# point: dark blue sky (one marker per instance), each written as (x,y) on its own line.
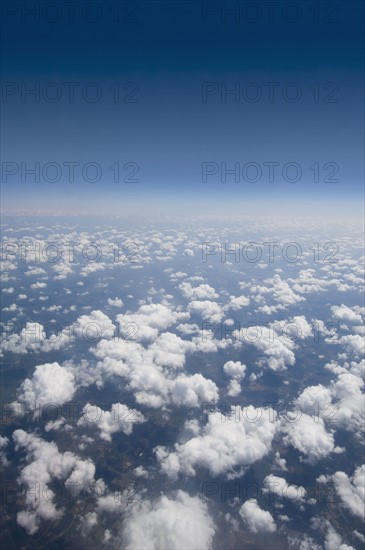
(296,70)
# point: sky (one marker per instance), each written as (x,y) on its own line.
(216,116)
(186,107)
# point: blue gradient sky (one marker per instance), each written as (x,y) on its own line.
(169,52)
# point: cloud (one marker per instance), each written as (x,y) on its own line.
(148,321)
(168,523)
(120,418)
(308,436)
(256,519)
(351,490)
(38,285)
(150,372)
(235,369)
(201,292)
(298,328)
(303,543)
(354,343)
(169,350)
(234,388)
(94,326)
(225,443)
(344,313)
(50,384)
(277,341)
(209,311)
(188,328)
(12,307)
(314,399)
(279,290)
(33,336)
(342,403)
(349,398)
(237,302)
(280,487)
(62,270)
(46,463)
(191,391)
(277,348)
(92,267)
(280,463)
(334,540)
(4,441)
(35,271)
(116,302)
(9,290)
